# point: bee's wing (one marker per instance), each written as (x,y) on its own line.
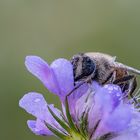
(111,59)
(131,69)
(114,58)
(99,55)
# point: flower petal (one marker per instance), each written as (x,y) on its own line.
(132,132)
(63,72)
(39,68)
(119,119)
(72,99)
(58,77)
(38,127)
(105,100)
(35,104)
(127,136)
(83,104)
(82,99)
(115,93)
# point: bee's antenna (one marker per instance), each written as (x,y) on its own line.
(131,69)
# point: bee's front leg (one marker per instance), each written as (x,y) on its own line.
(88,80)
(111,78)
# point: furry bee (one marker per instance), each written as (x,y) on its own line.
(104,69)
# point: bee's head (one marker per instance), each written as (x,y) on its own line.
(83,66)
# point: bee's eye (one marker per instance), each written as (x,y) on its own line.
(88,66)
(83,66)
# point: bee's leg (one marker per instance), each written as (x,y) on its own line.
(132,87)
(110,78)
(113,77)
(88,80)
(129,83)
(75,88)
(124,79)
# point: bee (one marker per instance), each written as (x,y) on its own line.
(104,69)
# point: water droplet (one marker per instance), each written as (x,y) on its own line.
(110,88)
(106,86)
(116,88)
(109,91)
(118,94)
(37,100)
(37,130)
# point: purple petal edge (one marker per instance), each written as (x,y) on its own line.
(35,104)
(63,72)
(38,127)
(58,77)
(39,68)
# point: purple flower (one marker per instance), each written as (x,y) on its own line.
(92,112)
(54,76)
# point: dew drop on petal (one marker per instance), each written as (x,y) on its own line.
(36,130)
(37,100)
(106,86)
(118,94)
(110,88)
(116,88)
(109,91)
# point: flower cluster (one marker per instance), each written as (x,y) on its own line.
(91,112)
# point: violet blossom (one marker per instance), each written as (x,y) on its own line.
(91,112)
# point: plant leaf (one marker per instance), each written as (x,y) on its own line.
(56,132)
(70,121)
(62,123)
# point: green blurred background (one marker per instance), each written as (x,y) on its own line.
(53,29)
